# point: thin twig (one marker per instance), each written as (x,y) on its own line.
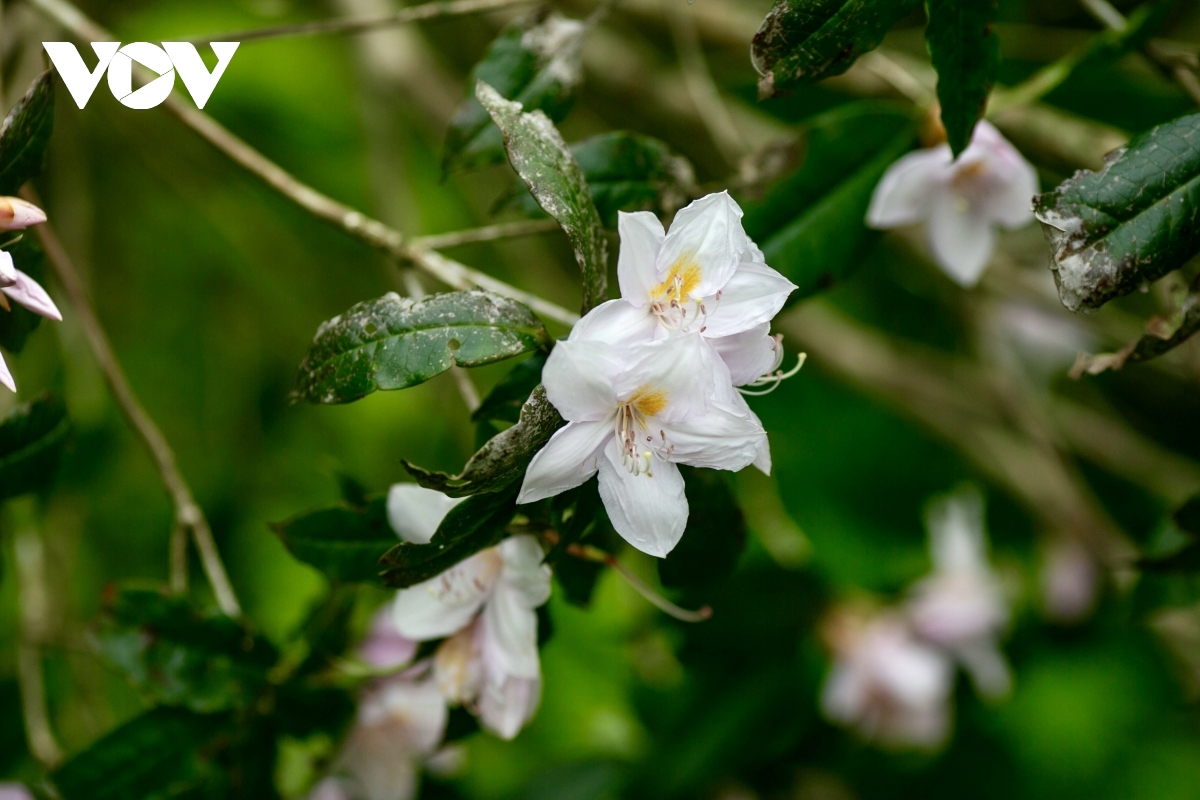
(470,395)
(595,554)
(34,621)
(350,26)
(488,233)
(1107,14)
(189,518)
(370,231)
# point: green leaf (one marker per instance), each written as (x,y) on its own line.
(536,61)
(540,156)
(810,224)
(627,172)
(344,543)
(477,522)
(178,655)
(1113,231)
(17,324)
(714,538)
(395,342)
(141,758)
(1187,516)
(803,41)
(966,54)
(25,135)
(32,438)
(504,458)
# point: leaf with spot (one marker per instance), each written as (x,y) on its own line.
(627,172)
(26,134)
(395,342)
(536,61)
(966,54)
(540,156)
(802,41)
(342,542)
(32,439)
(478,522)
(505,456)
(1113,231)
(810,222)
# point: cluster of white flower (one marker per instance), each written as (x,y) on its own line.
(893,675)
(649,381)
(962,201)
(16,214)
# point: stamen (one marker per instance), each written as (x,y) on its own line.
(772,379)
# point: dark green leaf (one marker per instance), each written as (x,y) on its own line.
(714,538)
(395,342)
(303,710)
(508,397)
(353,492)
(477,522)
(628,172)
(1187,516)
(1113,231)
(25,135)
(966,54)
(810,224)
(143,757)
(803,41)
(342,542)
(16,325)
(1185,559)
(540,156)
(181,656)
(536,61)
(504,458)
(31,442)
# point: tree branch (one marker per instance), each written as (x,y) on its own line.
(189,518)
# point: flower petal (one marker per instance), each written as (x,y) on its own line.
(8,272)
(684,369)
(752,296)
(30,294)
(641,237)
(524,571)
(617,322)
(749,355)
(989,670)
(505,708)
(649,510)
(384,647)
(6,377)
(415,512)
(708,235)
(961,239)
(567,460)
(902,196)
(16,214)
(508,635)
(579,377)
(445,604)
(725,436)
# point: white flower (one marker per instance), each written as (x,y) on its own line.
(400,723)
(888,685)
(961,201)
(485,605)
(633,413)
(14,791)
(14,284)
(384,647)
(961,607)
(704,276)
(415,512)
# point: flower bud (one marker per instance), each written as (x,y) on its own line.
(16,214)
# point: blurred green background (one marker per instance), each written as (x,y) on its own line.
(211,287)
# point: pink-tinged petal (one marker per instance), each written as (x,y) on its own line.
(524,571)
(650,509)
(706,236)
(641,237)
(961,240)
(903,195)
(8,271)
(457,667)
(505,708)
(16,214)
(415,512)
(508,635)
(726,436)
(957,543)
(683,371)
(568,459)
(6,377)
(30,294)
(446,604)
(748,355)
(616,322)
(754,295)
(327,789)
(384,647)
(579,378)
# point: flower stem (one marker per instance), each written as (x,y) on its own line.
(595,554)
